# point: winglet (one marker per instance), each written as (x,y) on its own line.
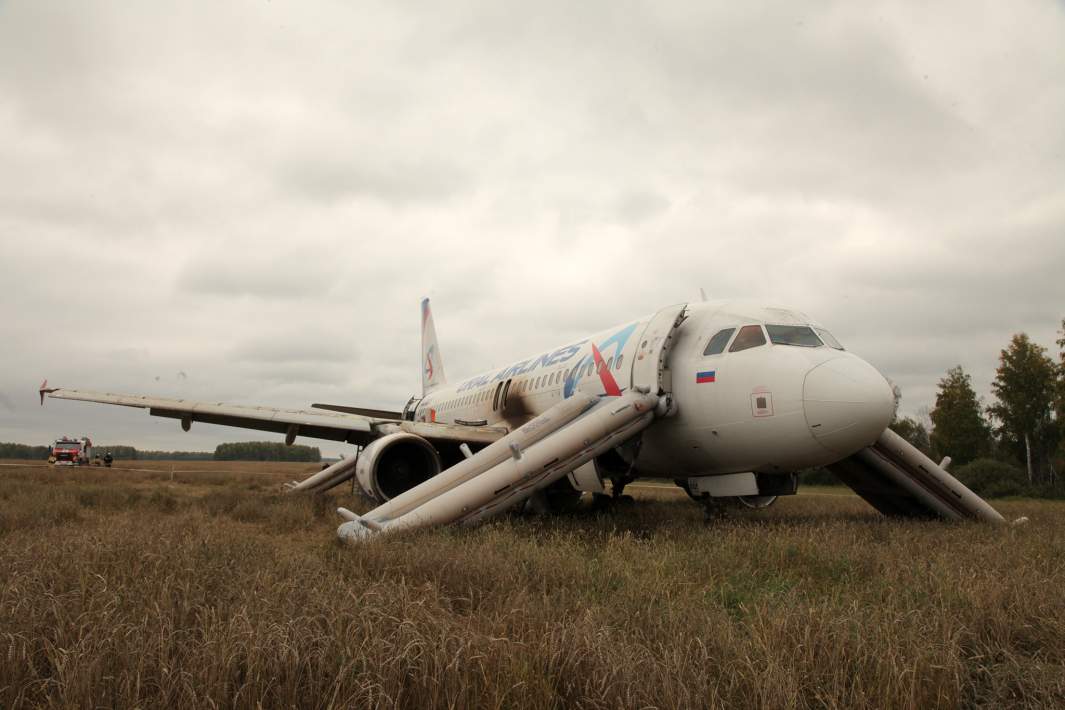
(609,383)
(45,389)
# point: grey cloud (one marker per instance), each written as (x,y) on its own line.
(259,195)
(333,178)
(305,348)
(298,373)
(637,206)
(253,273)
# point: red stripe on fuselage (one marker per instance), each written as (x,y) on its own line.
(609,383)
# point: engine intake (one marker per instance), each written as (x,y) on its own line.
(394,464)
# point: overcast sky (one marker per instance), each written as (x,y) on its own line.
(245,201)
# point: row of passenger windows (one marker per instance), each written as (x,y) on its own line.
(752,336)
(549,380)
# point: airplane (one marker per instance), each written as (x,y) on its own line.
(727,399)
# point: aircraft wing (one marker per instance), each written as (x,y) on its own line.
(318,424)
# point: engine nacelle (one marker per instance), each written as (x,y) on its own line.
(394,464)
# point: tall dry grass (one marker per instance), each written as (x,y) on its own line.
(126,589)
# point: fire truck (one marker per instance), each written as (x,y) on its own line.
(71,452)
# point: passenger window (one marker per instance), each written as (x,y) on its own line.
(609,362)
(717,344)
(750,336)
(617,365)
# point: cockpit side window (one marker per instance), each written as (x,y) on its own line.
(829,340)
(717,344)
(800,335)
(750,336)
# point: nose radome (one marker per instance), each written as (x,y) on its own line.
(848,404)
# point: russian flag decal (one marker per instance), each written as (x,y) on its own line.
(709,376)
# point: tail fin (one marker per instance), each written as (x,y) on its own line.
(432,365)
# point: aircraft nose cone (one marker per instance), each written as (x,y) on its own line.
(848,404)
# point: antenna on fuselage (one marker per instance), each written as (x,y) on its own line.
(702,294)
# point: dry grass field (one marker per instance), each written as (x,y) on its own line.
(206,588)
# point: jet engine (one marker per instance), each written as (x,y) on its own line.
(396,463)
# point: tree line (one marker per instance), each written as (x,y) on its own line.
(22,451)
(130,453)
(239,451)
(266,451)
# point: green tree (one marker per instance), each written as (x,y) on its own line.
(914,432)
(958,426)
(1025,384)
(1059,405)
(22,451)
(266,451)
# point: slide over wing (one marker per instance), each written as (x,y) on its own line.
(319,424)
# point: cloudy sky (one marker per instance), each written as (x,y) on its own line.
(245,201)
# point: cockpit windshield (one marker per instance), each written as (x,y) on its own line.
(717,344)
(750,336)
(800,335)
(829,340)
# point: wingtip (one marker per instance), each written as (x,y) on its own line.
(45,389)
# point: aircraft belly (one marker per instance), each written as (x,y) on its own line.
(668,452)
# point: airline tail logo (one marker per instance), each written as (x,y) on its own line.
(432,365)
(429,363)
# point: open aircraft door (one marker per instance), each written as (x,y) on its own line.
(649,368)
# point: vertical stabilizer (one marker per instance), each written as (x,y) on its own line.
(432,365)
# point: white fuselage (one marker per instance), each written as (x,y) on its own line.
(769,407)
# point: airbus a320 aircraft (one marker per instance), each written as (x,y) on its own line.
(729,400)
